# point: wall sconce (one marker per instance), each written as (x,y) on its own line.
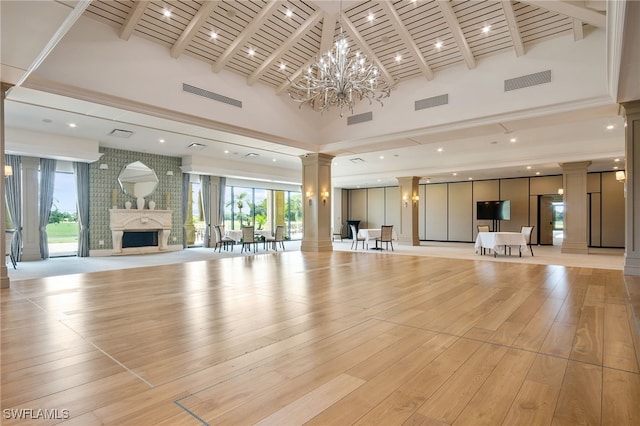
(415,199)
(309,196)
(169,172)
(8,170)
(560,191)
(621,176)
(104,166)
(325,195)
(405,201)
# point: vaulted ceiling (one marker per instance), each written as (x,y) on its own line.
(270,43)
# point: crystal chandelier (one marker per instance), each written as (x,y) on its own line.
(339,79)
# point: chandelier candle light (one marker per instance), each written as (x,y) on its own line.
(339,79)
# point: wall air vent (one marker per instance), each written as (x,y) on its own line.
(356,160)
(359,118)
(119,133)
(432,102)
(196,146)
(211,95)
(527,81)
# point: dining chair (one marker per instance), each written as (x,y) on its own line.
(337,234)
(484,228)
(386,236)
(222,242)
(248,238)
(277,238)
(356,238)
(527,231)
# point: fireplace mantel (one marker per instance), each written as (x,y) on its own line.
(122,220)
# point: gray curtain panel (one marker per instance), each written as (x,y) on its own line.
(221,193)
(81,173)
(47,184)
(205,190)
(185,201)
(13,195)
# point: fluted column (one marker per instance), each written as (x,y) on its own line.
(632,189)
(574,182)
(408,232)
(316,204)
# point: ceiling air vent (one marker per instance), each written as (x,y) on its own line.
(251,155)
(432,102)
(356,160)
(527,81)
(196,146)
(119,133)
(360,118)
(211,95)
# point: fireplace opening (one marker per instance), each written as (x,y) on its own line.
(139,239)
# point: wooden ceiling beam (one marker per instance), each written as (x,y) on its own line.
(458,34)
(137,11)
(291,41)
(194,26)
(355,35)
(572,10)
(239,41)
(512,23)
(402,31)
(326,41)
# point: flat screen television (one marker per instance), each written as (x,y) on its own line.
(493,210)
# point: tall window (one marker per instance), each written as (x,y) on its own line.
(263,209)
(62,230)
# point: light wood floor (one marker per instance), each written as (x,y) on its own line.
(341,338)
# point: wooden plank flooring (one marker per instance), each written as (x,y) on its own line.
(319,339)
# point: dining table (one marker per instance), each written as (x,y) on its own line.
(236,234)
(500,241)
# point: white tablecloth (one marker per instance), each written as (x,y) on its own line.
(498,241)
(372,234)
(236,234)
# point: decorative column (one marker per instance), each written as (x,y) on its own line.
(4,276)
(316,202)
(30,220)
(632,189)
(574,183)
(408,232)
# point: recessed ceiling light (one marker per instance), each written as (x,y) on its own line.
(528,167)
(251,51)
(537,173)
(289,13)
(440,149)
(512,140)
(615,168)
(486,28)
(214,35)
(274,160)
(370,17)
(398,58)
(161,140)
(470,178)
(617,160)
(72,125)
(379,180)
(166,13)
(610,127)
(428,180)
(455,174)
(382,157)
(283,67)
(438,45)
(226,151)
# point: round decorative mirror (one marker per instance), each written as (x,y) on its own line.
(138,180)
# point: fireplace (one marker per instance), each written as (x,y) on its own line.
(139,239)
(140,231)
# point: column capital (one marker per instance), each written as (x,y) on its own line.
(577,166)
(317,158)
(631,108)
